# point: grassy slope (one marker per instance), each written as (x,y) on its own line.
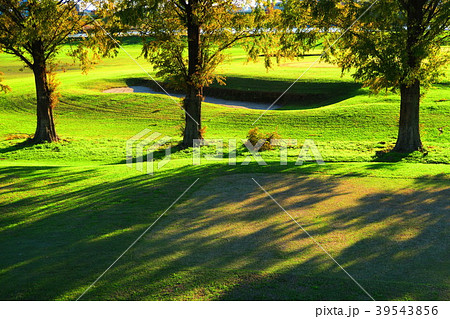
(349,127)
(69,209)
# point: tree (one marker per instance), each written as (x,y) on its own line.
(185,41)
(395,45)
(34,31)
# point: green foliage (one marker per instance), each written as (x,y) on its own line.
(254,135)
(298,33)
(163,25)
(395,42)
(49,23)
(267,43)
(100,41)
(26,23)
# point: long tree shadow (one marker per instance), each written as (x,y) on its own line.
(403,250)
(18,146)
(51,244)
(226,240)
(393,156)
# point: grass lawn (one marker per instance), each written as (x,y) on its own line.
(69,209)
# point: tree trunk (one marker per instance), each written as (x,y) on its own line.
(45,129)
(408,139)
(194,92)
(192,105)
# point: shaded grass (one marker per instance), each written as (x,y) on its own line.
(60,227)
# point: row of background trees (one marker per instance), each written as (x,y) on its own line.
(387,44)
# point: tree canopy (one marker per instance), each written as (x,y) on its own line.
(27,23)
(388,44)
(395,42)
(34,31)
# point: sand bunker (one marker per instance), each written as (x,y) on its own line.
(228,103)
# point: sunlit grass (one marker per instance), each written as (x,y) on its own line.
(68,209)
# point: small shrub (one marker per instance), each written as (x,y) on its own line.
(254,135)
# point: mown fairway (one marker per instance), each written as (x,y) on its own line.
(69,209)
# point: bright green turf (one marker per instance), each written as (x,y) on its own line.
(351,126)
(69,209)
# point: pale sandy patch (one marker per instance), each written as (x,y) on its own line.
(223,102)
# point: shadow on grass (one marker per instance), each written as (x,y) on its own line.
(390,156)
(226,239)
(28,143)
(180,151)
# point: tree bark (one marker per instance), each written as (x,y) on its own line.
(45,129)
(194,92)
(192,106)
(408,139)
